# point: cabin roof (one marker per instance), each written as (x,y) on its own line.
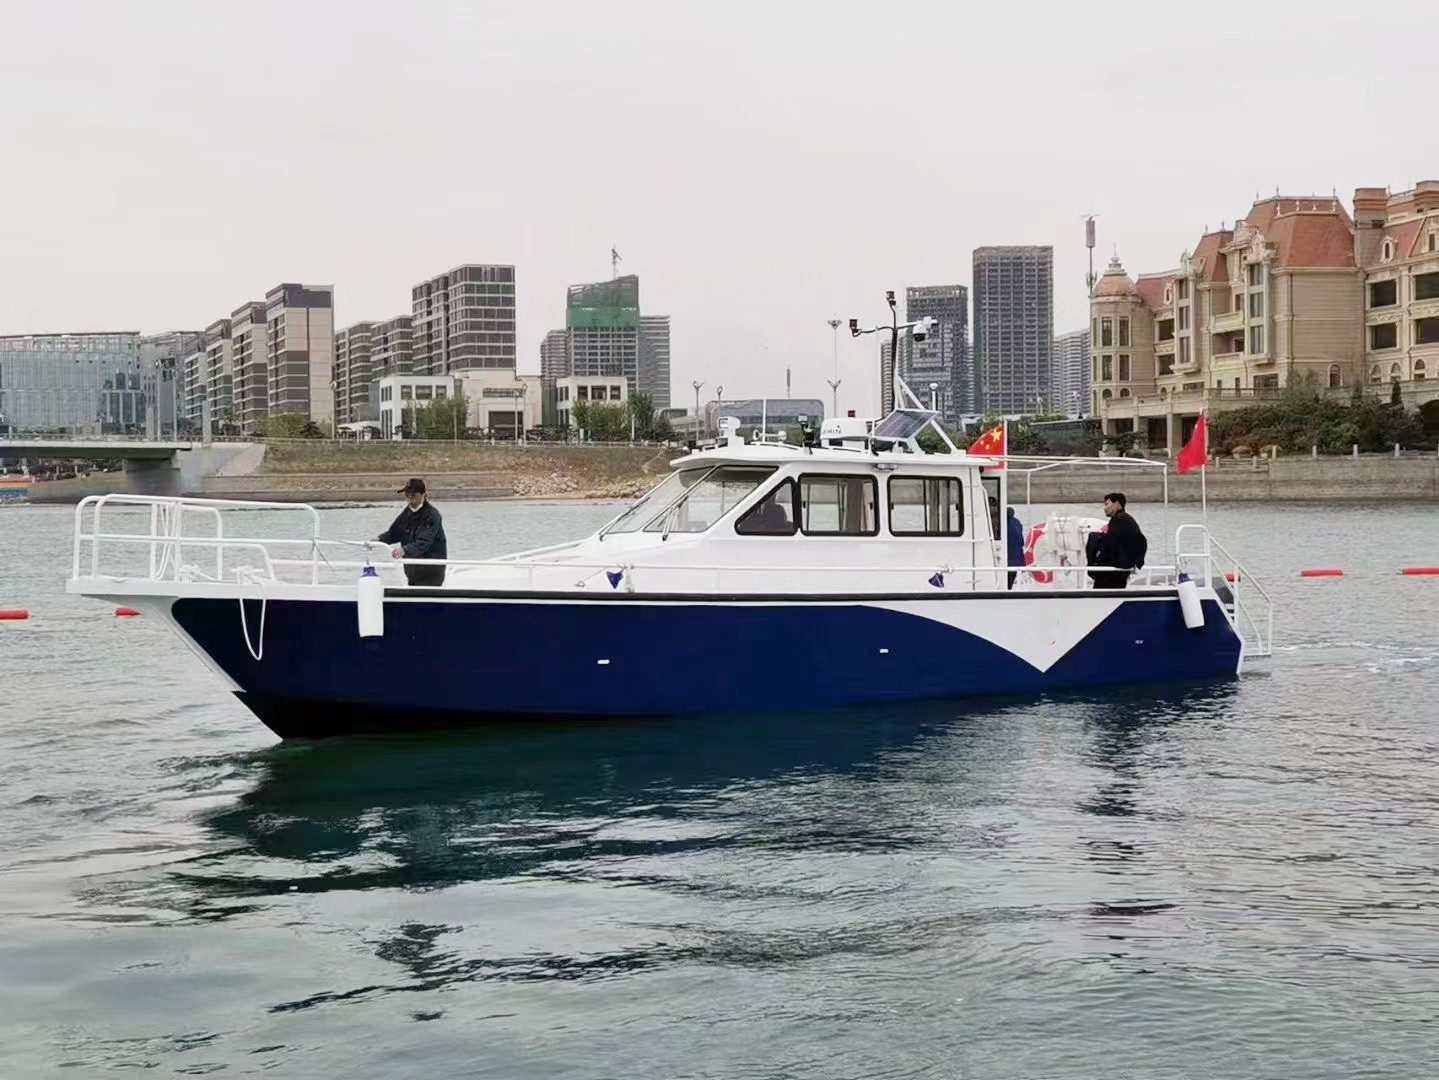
(827,457)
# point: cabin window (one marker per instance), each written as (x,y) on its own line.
(774,515)
(838,505)
(926,506)
(710,499)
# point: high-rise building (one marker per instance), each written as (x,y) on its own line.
(603,321)
(300,351)
(209,378)
(654,364)
(249,351)
(1069,374)
(555,355)
(465,319)
(354,371)
(162,375)
(82,384)
(1014,327)
(392,347)
(943,358)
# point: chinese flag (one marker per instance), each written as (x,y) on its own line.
(1196,450)
(991,442)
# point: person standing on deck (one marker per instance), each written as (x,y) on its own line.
(1015,545)
(418,533)
(1121,546)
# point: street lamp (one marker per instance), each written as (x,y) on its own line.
(934,397)
(919,327)
(697,383)
(834,383)
(719,406)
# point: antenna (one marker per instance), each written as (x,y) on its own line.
(1089,278)
(615,261)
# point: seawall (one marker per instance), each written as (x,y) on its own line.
(1373,477)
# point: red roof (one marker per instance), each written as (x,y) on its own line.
(1209,249)
(1151,287)
(1309,239)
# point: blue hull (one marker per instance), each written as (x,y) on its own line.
(457,661)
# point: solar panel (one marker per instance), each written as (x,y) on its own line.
(903,424)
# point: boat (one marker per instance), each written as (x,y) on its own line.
(853,568)
(16,486)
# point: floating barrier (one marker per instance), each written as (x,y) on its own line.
(126,611)
(1322,572)
(1414,571)
(1231,577)
(14,613)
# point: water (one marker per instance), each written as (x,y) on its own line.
(1233,880)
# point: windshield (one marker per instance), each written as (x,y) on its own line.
(675,485)
(712,498)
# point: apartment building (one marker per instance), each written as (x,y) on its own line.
(1397,246)
(1069,372)
(1298,290)
(555,355)
(354,371)
(1014,327)
(300,351)
(463,319)
(653,369)
(392,347)
(943,358)
(249,352)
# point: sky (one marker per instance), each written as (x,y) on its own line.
(763,167)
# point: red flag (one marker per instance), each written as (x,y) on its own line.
(1196,450)
(991,442)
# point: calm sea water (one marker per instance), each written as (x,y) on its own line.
(1233,880)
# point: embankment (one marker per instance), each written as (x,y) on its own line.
(1381,478)
(334,472)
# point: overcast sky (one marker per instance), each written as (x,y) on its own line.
(762,166)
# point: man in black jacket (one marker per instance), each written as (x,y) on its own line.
(418,533)
(1121,545)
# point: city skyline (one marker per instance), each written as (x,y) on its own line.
(765,197)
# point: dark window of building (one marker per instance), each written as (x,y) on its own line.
(1384,336)
(1123,332)
(1383,293)
(1426,331)
(1426,286)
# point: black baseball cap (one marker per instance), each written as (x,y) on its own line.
(415,485)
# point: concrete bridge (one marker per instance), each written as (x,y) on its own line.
(151,467)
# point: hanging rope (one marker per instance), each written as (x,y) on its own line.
(256,651)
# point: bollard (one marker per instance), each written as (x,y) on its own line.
(1396,451)
(1356,451)
(1314,451)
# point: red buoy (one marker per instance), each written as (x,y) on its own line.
(1232,576)
(1416,570)
(14,613)
(126,611)
(1322,572)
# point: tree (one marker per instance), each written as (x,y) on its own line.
(642,411)
(282,425)
(442,418)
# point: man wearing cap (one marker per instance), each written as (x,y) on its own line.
(418,533)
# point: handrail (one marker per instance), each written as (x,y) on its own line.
(166,537)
